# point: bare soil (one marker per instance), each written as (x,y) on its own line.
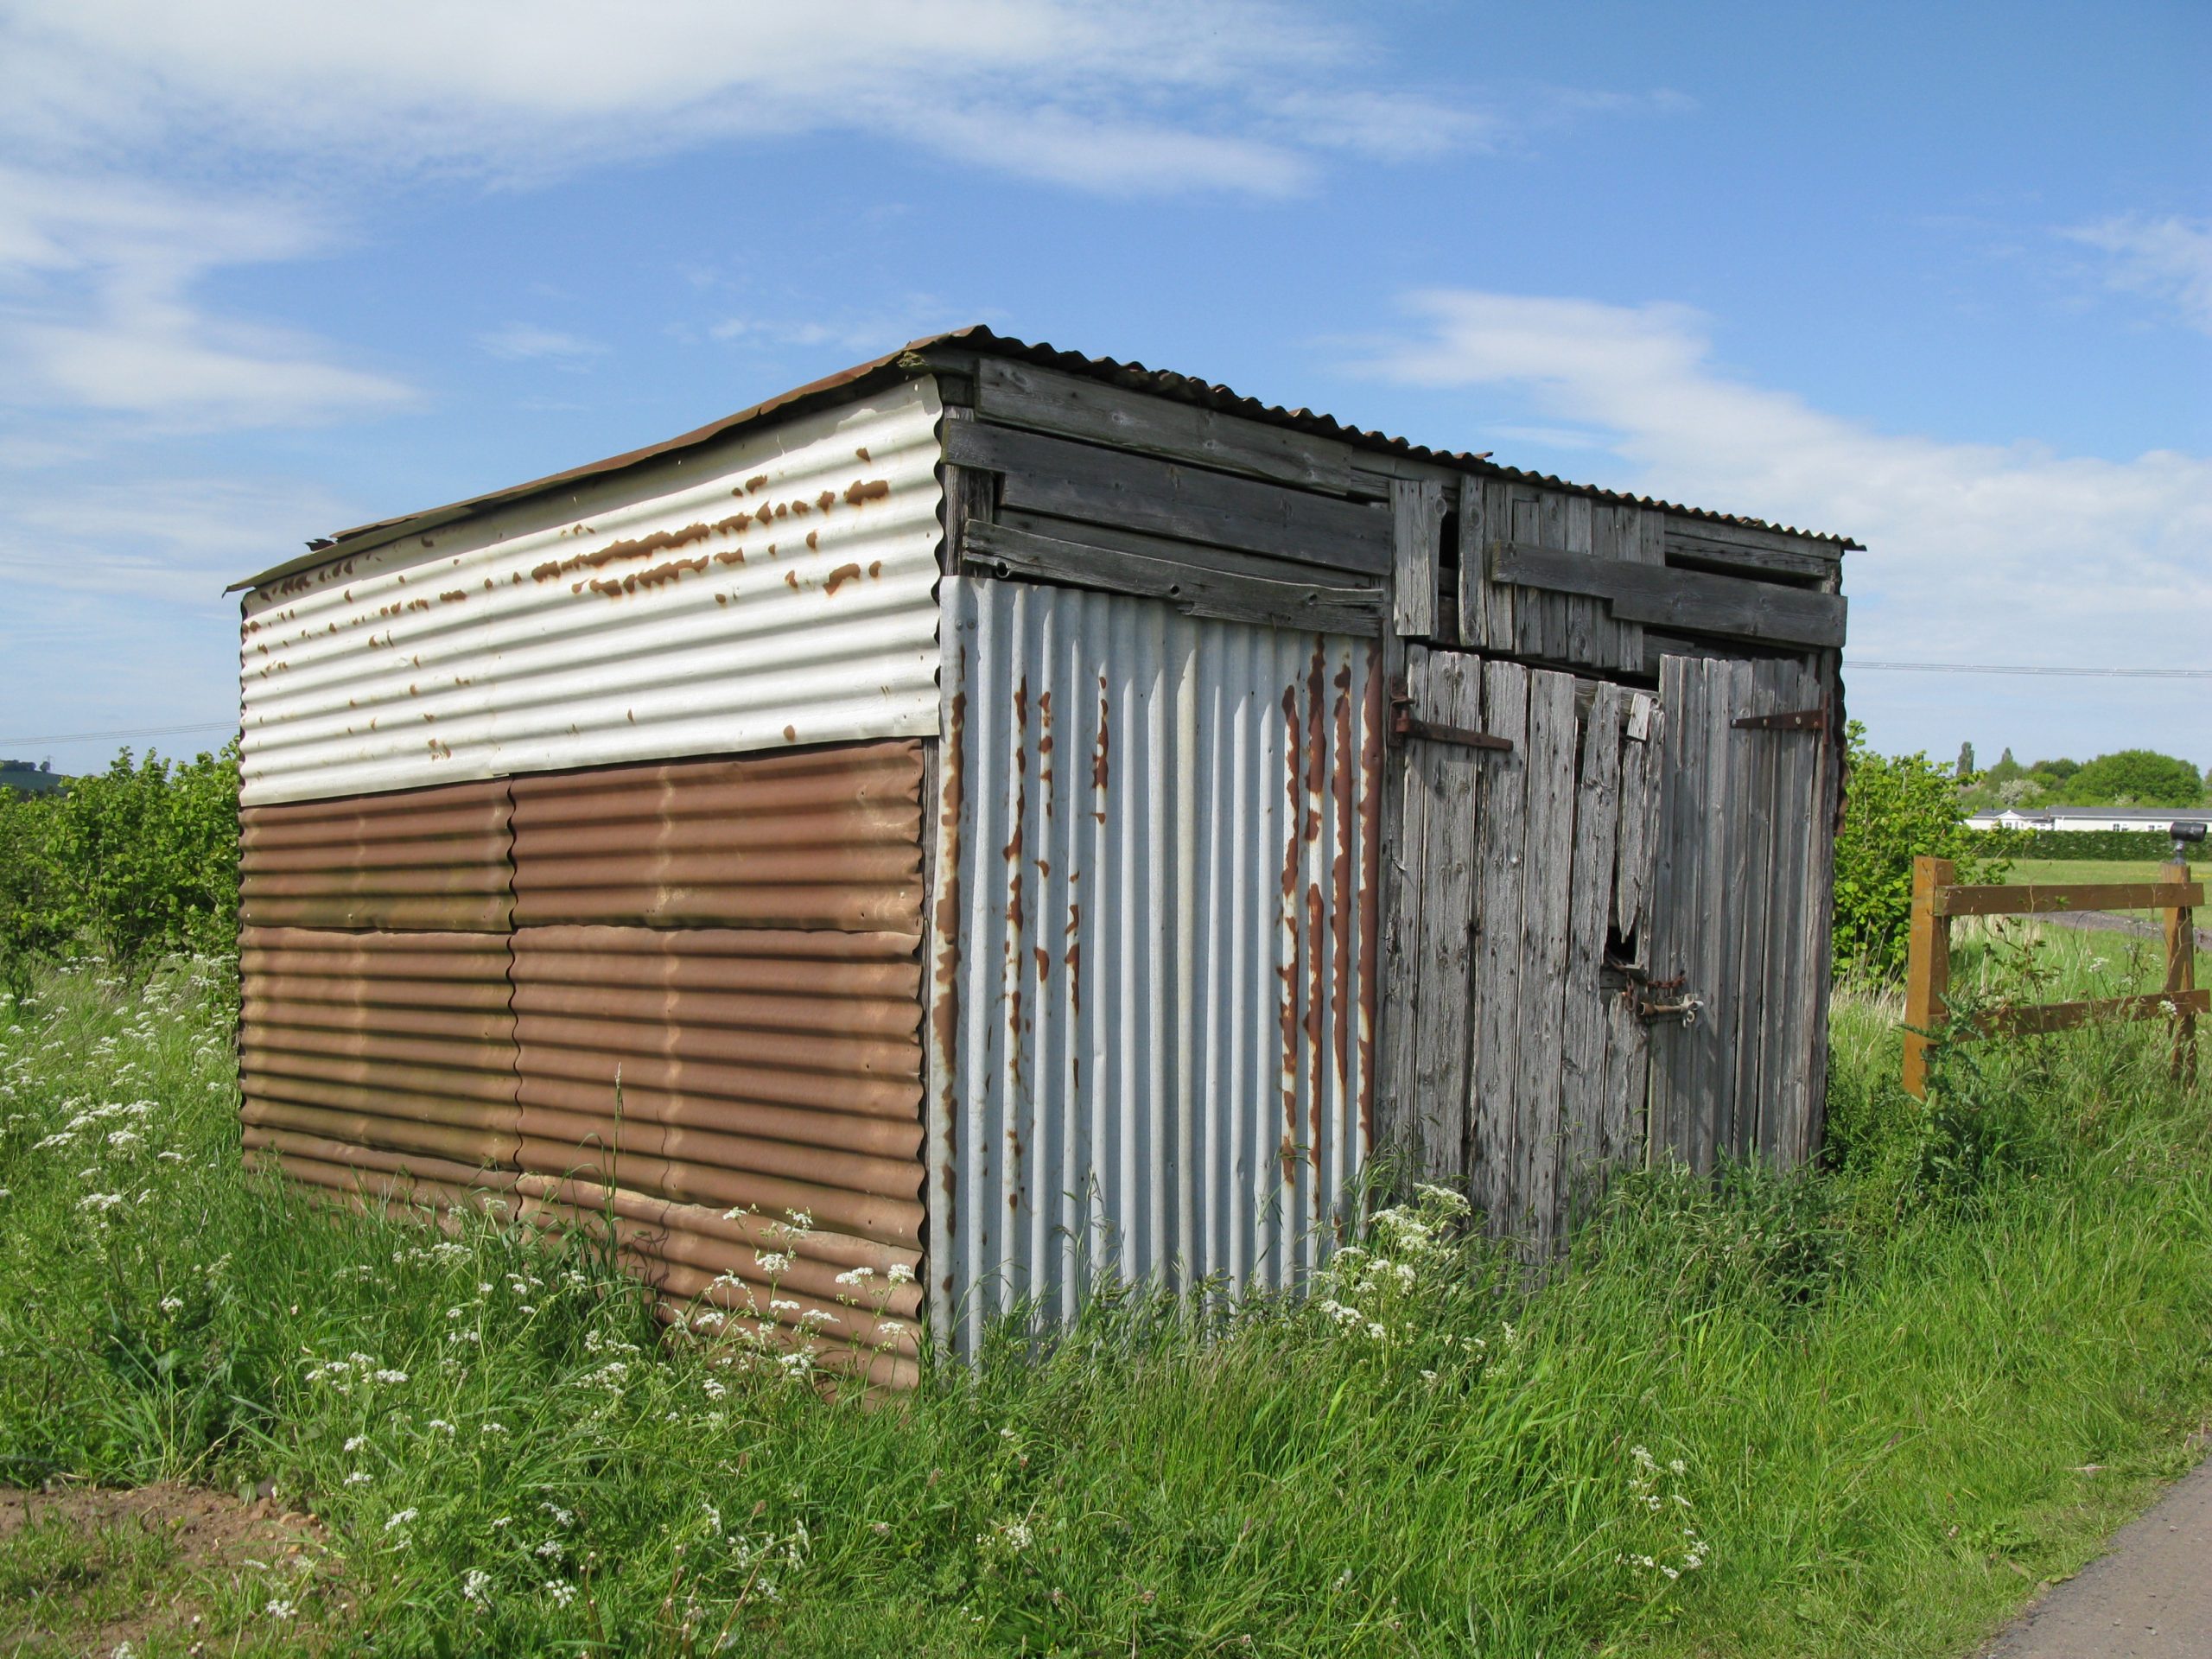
(86,1570)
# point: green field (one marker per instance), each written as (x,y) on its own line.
(2056,870)
(1861,1412)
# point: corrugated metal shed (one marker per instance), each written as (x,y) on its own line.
(417,858)
(1156,919)
(774,590)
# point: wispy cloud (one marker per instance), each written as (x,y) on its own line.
(523,341)
(2168,258)
(101,273)
(1975,551)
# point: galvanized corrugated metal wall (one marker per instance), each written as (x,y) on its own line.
(418,858)
(402,1042)
(770,591)
(737,942)
(1156,937)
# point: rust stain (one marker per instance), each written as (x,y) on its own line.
(840,576)
(659,576)
(813,541)
(641,547)
(1044,961)
(1343,783)
(874,489)
(758,481)
(721,599)
(945,1015)
(826,500)
(791,578)
(447,599)
(1370,891)
(730,556)
(782,510)
(790,733)
(874,567)
(862,453)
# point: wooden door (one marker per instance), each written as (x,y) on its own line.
(1513,1070)
(1738,957)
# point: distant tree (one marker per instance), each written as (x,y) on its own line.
(2133,778)
(2056,772)
(1964,769)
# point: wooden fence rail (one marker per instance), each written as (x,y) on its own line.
(1937,900)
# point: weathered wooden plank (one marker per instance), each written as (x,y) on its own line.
(1417,533)
(1551,520)
(1193,589)
(1746,548)
(1020,394)
(1928,970)
(1643,542)
(1501,840)
(1622,1136)
(1819,890)
(1115,488)
(1449,692)
(1679,894)
(1402,836)
(1474,581)
(1695,600)
(2040,1019)
(1584,1098)
(1548,872)
(1174,551)
(2045,897)
(1633,872)
(1755,999)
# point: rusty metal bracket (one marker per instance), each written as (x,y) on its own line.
(1797,719)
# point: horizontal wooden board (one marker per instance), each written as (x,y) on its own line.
(2041,1018)
(1691,599)
(1116,488)
(1193,589)
(1751,549)
(1020,394)
(2032,899)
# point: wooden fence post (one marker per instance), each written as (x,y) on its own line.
(2180,975)
(1927,969)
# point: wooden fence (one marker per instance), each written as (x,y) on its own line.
(1937,900)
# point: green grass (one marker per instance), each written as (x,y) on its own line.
(1853,1413)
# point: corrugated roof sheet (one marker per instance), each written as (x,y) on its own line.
(912,357)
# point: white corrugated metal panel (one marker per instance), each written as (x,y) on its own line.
(1156,946)
(771,591)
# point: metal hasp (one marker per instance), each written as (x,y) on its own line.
(1403,725)
(1797,719)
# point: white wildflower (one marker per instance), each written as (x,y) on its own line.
(280,1610)
(562,1593)
(399,1518)
(356,1442)
(899,1274)
(774,1263)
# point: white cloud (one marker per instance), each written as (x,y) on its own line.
(99,273)
(1154,95)
(1975,552)
(2170,259)
(521,341)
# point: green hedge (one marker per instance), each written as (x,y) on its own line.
(2105,846)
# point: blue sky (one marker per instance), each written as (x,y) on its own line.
(1937,277)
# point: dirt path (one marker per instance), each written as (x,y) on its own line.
(2149,1597)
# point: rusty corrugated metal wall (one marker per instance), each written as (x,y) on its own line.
(735,941)
(772,590)
(1156,939)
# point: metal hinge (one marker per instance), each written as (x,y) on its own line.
(1681,1007)
(1797,719)
(1403,725)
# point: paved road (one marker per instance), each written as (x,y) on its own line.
(2149,1597)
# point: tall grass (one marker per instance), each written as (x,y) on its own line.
(1853,1412)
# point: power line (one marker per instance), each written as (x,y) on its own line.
(134,731)
(1998,668)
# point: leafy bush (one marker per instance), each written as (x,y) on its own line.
(1900,807)
(133,862)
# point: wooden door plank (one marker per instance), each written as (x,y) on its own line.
(1752,994)
(1640,742)
(1502,836)
(1597,824)
(1449,693)
(1547,873)
(1398,1006)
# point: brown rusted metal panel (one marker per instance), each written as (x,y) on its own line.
(398,1041)
(433,859)
(827,838)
